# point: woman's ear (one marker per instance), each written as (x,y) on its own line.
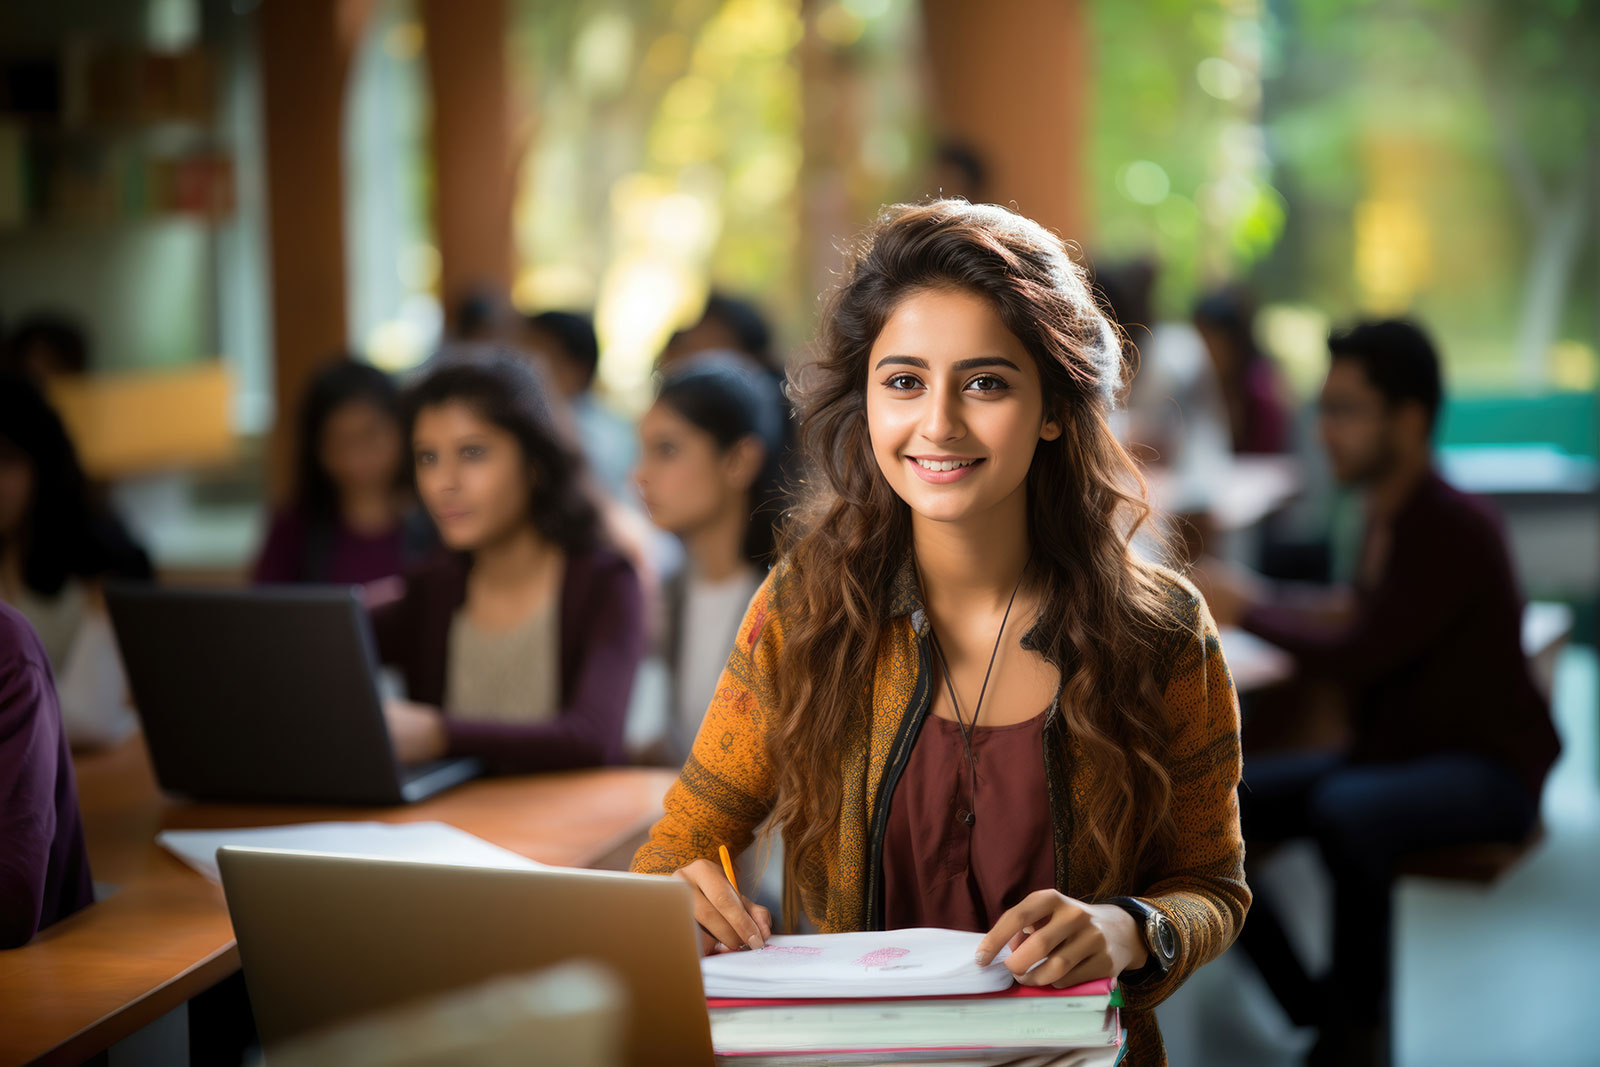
(1050,430)
(743,462)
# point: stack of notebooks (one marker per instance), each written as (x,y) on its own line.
(918,995)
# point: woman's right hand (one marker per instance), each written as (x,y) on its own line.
(728,920)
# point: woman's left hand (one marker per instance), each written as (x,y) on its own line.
(416,731)
(1078,942)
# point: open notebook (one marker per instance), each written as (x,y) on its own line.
(898,963)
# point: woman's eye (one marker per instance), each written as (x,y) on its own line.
(473,452)
(988,383)
(424,458)
(903,382)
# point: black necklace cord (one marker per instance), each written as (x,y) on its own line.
(955,705)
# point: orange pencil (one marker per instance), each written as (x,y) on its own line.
(727,866)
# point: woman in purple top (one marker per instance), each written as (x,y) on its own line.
(518,646)
(1258,415)
(44,870)
(352,519)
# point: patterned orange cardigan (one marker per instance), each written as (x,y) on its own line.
(726,787)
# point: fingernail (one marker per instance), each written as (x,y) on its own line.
(755,941)
(983,958)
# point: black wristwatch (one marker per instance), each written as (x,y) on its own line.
(1160,939)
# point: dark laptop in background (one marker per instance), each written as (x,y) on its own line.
(265,695)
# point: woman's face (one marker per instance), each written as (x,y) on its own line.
(684,478)
(16,488)
(955,407)
(471,475)
(360,447)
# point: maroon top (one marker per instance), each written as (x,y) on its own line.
(299,549)
(602,641)
(44,869)
(940,871)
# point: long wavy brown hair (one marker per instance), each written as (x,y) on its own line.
(1103,609)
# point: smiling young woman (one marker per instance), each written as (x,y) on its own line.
(961,695)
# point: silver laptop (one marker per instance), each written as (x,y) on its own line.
(327,939)
(265,695)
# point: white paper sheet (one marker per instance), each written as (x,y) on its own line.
(896,963)
(429,842)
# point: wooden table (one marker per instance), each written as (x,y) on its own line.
(1242,493)
(164,936)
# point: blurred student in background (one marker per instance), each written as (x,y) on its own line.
(352,518)
(47,345)
(709,474)
(958,170)
(728,324)
(1252,390)
(44,868)
(1175,423)
(520,643)
(568,352)
(56,546)
(1450,739)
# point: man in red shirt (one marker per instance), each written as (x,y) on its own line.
(1450,739)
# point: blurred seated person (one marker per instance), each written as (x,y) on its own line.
(44,869)
(1175,424)
(47,345)
(1450,740)
(482,316)
(352,519)
(959,171)
(709,474)
(1252,390)
(519,643)
(568,351)
(728,324)
(56,546)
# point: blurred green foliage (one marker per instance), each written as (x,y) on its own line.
(1442,154)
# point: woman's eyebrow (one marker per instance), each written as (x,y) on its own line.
(958,365)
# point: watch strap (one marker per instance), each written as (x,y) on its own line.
(1148,917)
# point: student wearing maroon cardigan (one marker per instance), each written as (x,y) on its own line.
(519,643)
(44,870)
(1450,739)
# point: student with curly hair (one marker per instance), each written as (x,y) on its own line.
(961,696)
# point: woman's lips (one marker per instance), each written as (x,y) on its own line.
(943,477)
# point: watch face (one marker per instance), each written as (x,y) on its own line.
(1166,939)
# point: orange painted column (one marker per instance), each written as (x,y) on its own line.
(1011,81)
(472,147)
(305,50)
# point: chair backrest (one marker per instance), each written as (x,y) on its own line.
(1546,629)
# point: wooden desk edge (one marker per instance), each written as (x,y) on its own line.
(134,1016)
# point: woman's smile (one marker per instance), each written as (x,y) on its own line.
(942,470)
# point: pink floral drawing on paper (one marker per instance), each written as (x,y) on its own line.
(882,957)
